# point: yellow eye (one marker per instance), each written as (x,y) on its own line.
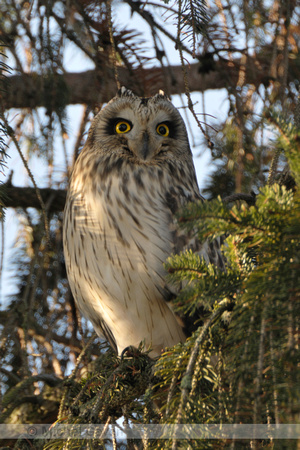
(122,127)
(163,130)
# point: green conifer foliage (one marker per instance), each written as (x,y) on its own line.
(241,364)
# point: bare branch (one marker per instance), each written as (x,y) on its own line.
(25,197)
(28,90)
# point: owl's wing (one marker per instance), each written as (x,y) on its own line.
(176,199)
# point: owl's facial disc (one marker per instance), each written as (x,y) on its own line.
(145,129)
(143,138)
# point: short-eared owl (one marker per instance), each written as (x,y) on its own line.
(133,174)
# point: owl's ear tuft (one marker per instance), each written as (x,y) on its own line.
(161,94)
(124,92)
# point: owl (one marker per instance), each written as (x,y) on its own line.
(133,174)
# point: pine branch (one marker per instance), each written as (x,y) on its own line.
(223,306)
(4,71)
(248,198)
(54,199)
(31,177)
(72,376)
(25,197)
(28,90)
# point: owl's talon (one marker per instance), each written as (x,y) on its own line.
(132,350)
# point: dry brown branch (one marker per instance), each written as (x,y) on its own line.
(25,197)
(27,90)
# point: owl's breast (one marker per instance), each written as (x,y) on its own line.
(132,227)
(121,235)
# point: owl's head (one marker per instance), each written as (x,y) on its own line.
(144,130)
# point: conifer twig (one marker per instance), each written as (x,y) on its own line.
(275,387)
(38,194)
(173,385)
(72,376)
(2,253)
(260,361)
(224,305)
(240,383)
(273,167)
(83,390)
(114,440)
(185,77)
(113,44)
(248,198)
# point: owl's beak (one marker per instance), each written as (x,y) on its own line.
(145,146)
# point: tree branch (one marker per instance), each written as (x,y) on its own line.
(25,197)
(33,90)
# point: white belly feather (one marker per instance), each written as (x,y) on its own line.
(114,259)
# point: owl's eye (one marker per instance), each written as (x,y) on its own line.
(122,127)
(163,130)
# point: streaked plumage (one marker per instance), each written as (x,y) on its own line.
(133,174)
